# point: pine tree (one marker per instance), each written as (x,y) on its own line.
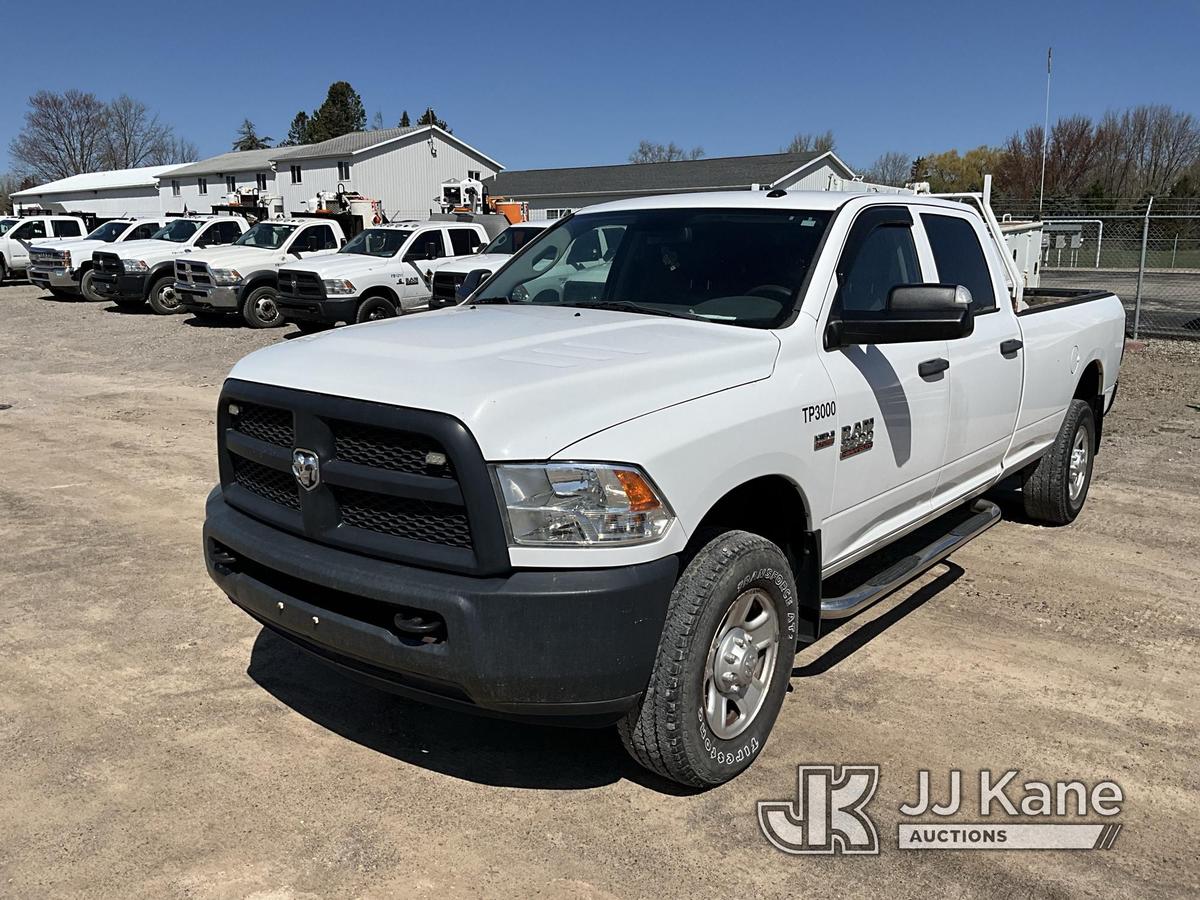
(341,113)
(298,132)
(405,121)
(249,139)
(429,117)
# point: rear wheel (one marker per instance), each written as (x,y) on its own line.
(87,286)
(163,298)
(1056,486)
(723,664)
(260,309)
(374,308)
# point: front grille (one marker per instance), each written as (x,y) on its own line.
(445,284)
(265,423)
(46,257)
(108,263)
(416,520)
(192,273)
(301,285)
(270,484)
(396,451)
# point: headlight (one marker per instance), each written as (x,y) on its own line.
(580,504)
(66,258)
(225,276)
(134,265)
(337,286)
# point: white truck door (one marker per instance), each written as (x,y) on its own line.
(25,233)
(424,247)
(889,432)
(986,368)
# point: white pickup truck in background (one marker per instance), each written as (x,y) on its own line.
(18,234)
(243,277)
(144,271)
(625,490)
(65,267)
(448,280)
(382,272)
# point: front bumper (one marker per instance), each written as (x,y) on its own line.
(53,277)
(132,287)
(566,646)
(296,309)
(206,298)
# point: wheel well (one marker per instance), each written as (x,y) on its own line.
(1090,389)
(381,291)
(264,279)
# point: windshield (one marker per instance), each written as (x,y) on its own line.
(6,224)
(267,235)
(512,239)
(381,242)
(734,266)
(109,232)
(177,232)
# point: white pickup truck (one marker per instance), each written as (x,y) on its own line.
(243,277)
(382,272)
(17,235)
(64,267)
(447,283)
(139,271)
(627,497)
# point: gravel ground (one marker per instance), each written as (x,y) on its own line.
(154,742)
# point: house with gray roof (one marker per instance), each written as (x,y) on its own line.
(552,193)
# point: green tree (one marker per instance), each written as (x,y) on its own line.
(341,113)
(298,132)
(249,139)
(405,121)
(429,117)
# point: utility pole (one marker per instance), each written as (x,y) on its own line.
(1045,132)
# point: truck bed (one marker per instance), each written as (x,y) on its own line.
(1041,299)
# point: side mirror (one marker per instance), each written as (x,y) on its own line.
(431,250)
(915,312)
(474,279)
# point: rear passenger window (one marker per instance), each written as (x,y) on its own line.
(317,238)
(886,257)
(66,228)
(144,231)
(464,241)
(959,258)
(223,233)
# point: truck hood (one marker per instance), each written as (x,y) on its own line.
(526,380)
(340,265)
(150,250)
(230,257)
(74,246)
(463,265)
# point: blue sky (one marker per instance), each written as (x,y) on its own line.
(568,83)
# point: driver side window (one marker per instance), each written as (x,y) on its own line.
(880,254)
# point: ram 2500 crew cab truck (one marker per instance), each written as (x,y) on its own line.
(629,496)
(447,284)
(65,267)
(17,235)
(243,277)
(382,272)
(139,271)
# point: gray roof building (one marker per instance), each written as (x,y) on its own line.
(237,161)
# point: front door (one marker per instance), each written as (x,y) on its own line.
(22,235)
(891,425)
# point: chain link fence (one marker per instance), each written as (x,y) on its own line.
(1150,260)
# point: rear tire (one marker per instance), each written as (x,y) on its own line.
(260,309)
(163,299)
(86,288)
(717,687)
(1056,486)
(375,308)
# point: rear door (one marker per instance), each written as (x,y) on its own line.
(142,231)
(889,428)
(986,368)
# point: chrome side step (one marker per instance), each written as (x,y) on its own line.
(985,515)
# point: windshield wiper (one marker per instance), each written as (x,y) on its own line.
(630,306)
(483,300)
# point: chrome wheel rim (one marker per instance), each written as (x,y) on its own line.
(378,313)
(167,298)
(1077,472)
(741,663)
(266,310)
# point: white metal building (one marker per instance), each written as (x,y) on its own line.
(121,192)
(201,185)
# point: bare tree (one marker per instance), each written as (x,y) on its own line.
(810,142)
(893,168)
(135,136)
(650,152)
(179,150)
(64,134)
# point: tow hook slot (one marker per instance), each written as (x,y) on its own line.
(425,627)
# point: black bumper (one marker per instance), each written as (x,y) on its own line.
(565,646)
(327,311)
(125,287)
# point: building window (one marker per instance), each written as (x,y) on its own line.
(556,213)
(230,184)
(202,185)
(343,171)
(295,174)
(473,174)
(174,188)
(261,180)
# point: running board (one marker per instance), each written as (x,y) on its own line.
(986,514)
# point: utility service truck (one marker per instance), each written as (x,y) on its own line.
(242,278)
(144,271)
(626,495)
(18,234)
(65,267)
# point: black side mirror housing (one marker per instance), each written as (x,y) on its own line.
(474,279)
(915,312)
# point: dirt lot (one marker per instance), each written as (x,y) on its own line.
(154,742)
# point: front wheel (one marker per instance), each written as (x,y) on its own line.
(260,309)
(723,664)
(87,286)
(163,298)
(1056,486)
(375,308)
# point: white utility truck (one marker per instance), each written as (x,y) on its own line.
(382,272)
(448,280)
(243,277)
(18,233)
(132,274)
(65,268)
(627,496)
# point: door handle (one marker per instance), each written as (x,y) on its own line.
(933,367)
(1011,346)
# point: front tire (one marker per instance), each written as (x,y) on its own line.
(1056,486)
(723,664)
(260,309)
(87,288)
(163,299)
(374,308)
